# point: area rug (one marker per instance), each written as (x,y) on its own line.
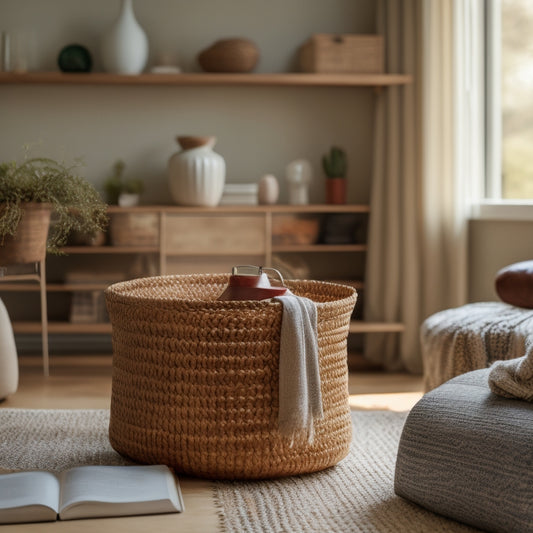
(354,496)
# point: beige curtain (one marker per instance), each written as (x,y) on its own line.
(428,151)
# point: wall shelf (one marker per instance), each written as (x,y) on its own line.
(196,79)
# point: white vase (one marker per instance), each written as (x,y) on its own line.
(268,190)
(197,175)
(299,174)
(9,370)
(125,45)
(128,199)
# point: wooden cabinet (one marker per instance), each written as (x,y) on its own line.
(188,240)
(169,239)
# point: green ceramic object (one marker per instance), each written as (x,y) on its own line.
(75,58)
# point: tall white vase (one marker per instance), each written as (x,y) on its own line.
(125,45)
(197,174)
(9,370)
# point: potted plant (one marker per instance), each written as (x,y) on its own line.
(335,165)
(122,191)
(41,202)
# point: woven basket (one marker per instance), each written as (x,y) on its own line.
(229,55)
(346,53)
(195,380)
(29,243)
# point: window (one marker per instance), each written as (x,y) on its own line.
(509,40)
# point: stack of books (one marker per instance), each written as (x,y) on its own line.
(239,194)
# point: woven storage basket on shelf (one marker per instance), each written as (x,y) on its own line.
(195,380)
(29,243)
(229,55)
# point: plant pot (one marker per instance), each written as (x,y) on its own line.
(128,199)
(336,190)
(29,243)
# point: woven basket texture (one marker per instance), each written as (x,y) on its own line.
(195,380)
(29,243)
(346,53)
(229,55)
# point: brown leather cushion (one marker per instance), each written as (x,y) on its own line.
(514,284)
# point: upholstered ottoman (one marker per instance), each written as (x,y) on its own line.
(471,337)
(467,454)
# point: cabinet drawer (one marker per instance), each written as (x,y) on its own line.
(215,235)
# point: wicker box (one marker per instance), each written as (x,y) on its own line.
(343,54)
(134,229)
(196,380)
(295,229)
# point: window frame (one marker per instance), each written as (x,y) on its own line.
(492,206)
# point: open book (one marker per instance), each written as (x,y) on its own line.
(88,491)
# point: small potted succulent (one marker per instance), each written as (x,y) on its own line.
(122,191)
(334,164)
(43,201)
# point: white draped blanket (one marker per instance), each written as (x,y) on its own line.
(300,400)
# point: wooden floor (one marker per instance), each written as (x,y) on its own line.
(84,382)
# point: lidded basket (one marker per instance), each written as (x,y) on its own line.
(196,380)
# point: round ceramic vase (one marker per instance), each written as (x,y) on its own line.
(268,190)
(197,174)
(125,45)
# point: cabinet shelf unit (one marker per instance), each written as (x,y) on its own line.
(170,254)
(219,237)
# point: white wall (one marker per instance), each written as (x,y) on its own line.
(259,130)
(494,245)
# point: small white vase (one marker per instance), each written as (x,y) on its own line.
(197,175)
(268,190)
(125,45)
(299,174)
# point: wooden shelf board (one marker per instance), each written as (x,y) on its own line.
(110,249)
(53,287)
(68,327)
(360,326)
(320,248)
(247,209)
(61,327)
(186,79)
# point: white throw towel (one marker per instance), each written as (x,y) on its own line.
(300,398)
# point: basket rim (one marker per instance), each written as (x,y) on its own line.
(117,292)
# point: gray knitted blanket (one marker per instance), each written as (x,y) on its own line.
(474,336)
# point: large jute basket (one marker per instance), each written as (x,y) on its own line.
(195,380)
(28,245)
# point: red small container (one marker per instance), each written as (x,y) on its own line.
(249,282)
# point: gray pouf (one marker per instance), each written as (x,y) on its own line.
(471,337)
(9,370)
(467,454)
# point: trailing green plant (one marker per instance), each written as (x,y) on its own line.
(116,184)
(75,204)
(335,163)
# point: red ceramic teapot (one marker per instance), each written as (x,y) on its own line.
(248,282)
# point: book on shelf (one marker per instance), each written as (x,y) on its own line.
(88,492)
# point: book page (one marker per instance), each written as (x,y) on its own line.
(118,491)
(28,497)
